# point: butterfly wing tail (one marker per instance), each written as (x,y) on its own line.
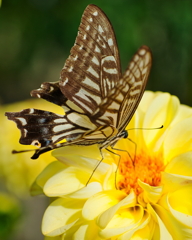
(51,92)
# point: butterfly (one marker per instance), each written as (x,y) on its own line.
(97,99)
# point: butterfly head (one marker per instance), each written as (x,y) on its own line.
(125,134)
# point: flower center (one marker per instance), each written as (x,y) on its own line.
(144,167)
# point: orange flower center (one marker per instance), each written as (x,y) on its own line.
(144,167)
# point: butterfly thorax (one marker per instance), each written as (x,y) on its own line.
(113,140)
(104,136)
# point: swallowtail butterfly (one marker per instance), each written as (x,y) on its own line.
(97,99)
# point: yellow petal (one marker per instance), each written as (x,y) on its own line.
(167,222)
(48,172)
(105,217)
(110,178)
(181,207)
(84,158)
(163,232)
(172,182)
(181,217)
(161,111)
(150,194)
(87,191)
(178,139)
(81,232)
(181,164)
(61,215)
(124,221)
(69,234)
(147,98)
(102,201)
(87,231)
(143,231)
(80,151)
(58,186)
(184,112)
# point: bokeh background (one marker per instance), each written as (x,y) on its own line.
(35,39)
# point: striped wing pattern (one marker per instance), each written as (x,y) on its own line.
(136,77)
(93,67)
(123,99)
(98,101)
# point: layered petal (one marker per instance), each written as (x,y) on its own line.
(143,191)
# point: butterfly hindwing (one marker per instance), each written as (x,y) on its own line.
(122,100)
(42,128)
(136,77)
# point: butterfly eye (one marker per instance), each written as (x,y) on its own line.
(41,143)
(36,143)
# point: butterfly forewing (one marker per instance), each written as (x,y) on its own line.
(93,67)
(98,101)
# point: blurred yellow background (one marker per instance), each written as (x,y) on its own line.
(21,219)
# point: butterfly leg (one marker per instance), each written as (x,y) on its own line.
(100,149)
(135,144)
(117,149)
(96,166)
(117,164)
(118,161)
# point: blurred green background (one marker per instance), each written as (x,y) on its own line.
(36,37)
(35,40)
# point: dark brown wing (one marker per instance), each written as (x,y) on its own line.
(122,101)
(42,128)
(93,67)
(136,77)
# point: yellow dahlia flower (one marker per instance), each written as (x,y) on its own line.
(149,195)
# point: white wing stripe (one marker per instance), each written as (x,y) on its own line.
(83,105)
(81,120)
(110,70)
(62,127)
(95,60)
(89,82)
(93,72)
(60,120)
(85,94)
(64,135)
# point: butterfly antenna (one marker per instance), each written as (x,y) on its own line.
(37,153)
(146,128)
(22,151)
